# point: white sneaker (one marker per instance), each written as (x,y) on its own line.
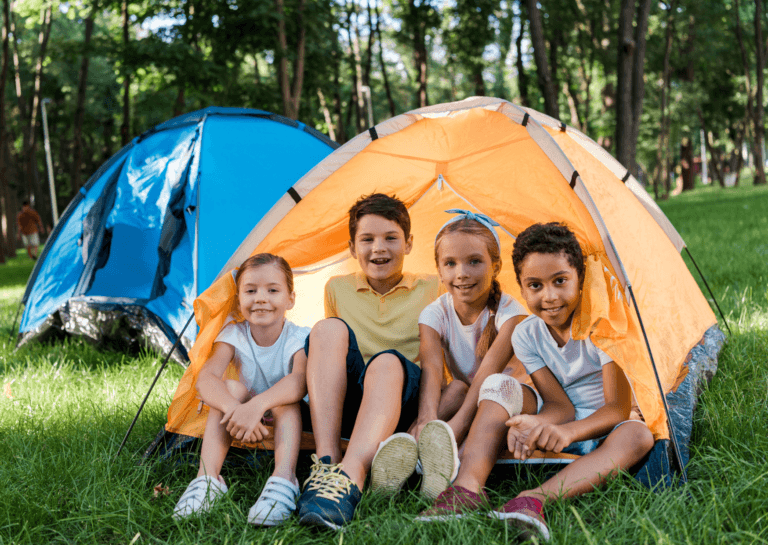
(275,504)
(393,463)
(199,497)
(439,457)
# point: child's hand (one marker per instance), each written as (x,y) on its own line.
(520,428)
(549,438)
(244,422)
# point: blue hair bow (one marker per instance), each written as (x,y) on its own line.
(482,219)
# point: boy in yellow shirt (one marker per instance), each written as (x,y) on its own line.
(361,379)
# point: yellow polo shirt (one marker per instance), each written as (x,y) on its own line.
(381,321)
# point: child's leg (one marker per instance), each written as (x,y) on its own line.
(485,440)
(378,415)
(623,448)
(216,438)
(327,384)
(451,399)
(287,439)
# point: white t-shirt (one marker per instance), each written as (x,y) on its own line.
(261,367)
(577,366)
(459,341)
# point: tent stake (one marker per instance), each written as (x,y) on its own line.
(709,290)
(151,386)
(13,327)
(671,426)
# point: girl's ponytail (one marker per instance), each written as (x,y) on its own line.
(489,333)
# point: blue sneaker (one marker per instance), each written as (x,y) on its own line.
(330,497)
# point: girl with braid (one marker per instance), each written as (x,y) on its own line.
(467,331)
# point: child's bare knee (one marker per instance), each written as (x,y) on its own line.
(285,410)
(384,367)
(330,330)
(237,389)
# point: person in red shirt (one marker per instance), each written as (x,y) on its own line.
(30,225)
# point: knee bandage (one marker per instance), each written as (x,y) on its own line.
(504,390)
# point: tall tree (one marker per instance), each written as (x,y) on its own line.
(125,128)
(546,83)
(290,90)
(77,135)
(759,106)
(629,75)
(5,214)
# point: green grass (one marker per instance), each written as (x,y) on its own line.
(66,407)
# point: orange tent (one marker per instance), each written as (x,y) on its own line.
(519,167)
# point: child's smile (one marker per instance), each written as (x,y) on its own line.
(380,249)
(264,299)
(551,287)
(466,270)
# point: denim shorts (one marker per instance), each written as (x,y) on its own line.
(356,369)
(582,448)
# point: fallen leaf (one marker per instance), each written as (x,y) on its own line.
(161,490)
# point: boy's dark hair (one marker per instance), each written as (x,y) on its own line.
(387,207)
(25,203)
(548,238)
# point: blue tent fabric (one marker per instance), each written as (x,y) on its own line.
(154,226)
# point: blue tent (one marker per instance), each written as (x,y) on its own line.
(154,226)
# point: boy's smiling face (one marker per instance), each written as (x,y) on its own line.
(380,247)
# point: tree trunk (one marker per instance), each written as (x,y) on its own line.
(77,151)
(291,92)
(661,177)
(638,80)
(419,57)
(125,128)
(686,163)
(387,89)
(326,114)
(522,76)
(354,42)
(6,214)
(546,83)
(337,106)
(626,45)
(759,106)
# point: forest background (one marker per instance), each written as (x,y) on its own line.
(652,82)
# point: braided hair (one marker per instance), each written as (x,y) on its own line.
(474,227)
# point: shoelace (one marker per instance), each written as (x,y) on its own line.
(332,484)
(317,469)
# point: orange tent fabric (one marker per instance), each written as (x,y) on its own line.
(519,167)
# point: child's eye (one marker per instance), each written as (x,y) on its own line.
(475,261)
(449,263)
(534,285)
(561,280)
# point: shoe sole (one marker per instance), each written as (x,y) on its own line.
(393,464)
(440,518)
(523,522)
(437,452)
(314,519)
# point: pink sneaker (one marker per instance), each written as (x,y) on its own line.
(454,503)
(525,513)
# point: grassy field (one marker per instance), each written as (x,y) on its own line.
(66,406)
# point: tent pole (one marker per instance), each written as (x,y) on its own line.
(661,390)
(709,290)
(13,327)
(151,386)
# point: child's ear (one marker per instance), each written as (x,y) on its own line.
(292,297)
(352,249)
(409,244)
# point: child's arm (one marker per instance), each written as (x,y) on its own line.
(495,360)
(556,410)
(431,358)
(210,386)
(244,420)
(618,403)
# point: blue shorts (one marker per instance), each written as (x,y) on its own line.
(356,369)
(582,448)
